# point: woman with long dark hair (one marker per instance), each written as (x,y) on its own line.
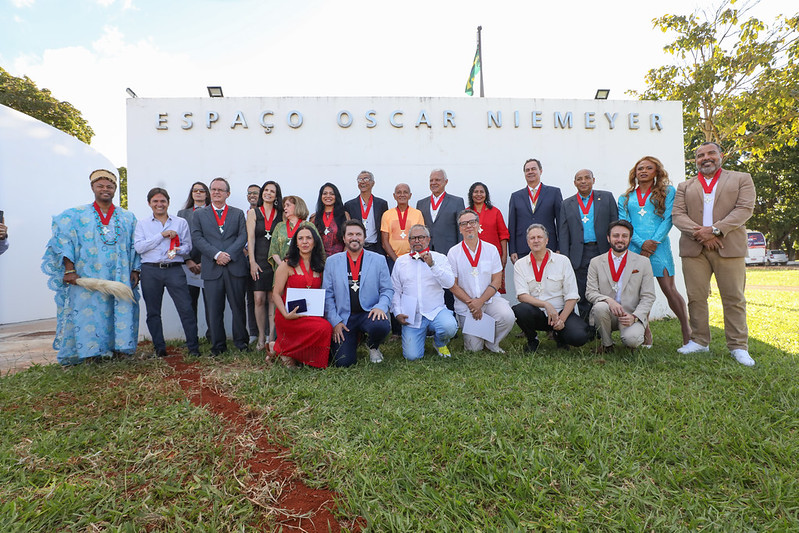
(303,339)
(329,218)
(199,197)
(649,211)
(261,222)
(492,224)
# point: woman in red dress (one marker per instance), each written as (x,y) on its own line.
(329,218)
(492,225)
(300,339)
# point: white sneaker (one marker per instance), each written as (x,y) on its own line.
(742,356)
(375,355)
(692,347)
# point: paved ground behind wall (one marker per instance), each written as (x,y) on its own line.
(26,343)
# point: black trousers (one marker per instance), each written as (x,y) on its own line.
(153,282)
(231,288)
(531,319)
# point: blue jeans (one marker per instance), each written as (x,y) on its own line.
(345,354)
(443,327)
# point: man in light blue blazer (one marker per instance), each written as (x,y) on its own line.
(358,294)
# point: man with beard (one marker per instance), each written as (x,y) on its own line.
(419,280)
(93,241)
(710,210)
(622,288)
(358,294)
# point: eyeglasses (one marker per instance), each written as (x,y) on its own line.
(214,189)
(472,222)
(418,237)
(253,193)
(198,190)
(366,178)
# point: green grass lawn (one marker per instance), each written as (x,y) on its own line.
(556,441)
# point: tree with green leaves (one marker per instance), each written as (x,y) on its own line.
(738,79)
(23,95)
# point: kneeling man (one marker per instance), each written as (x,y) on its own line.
(419,280)
(622,288)
(547,293)
(478,276)
(358,294)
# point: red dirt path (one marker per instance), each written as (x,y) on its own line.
(298,507)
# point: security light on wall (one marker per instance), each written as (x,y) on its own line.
(602,94)
(215,91)
(131,93)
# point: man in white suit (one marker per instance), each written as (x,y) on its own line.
(621,287)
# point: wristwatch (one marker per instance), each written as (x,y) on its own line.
(716,231)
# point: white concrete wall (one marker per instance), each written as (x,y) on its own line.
(164,151)
(42,172)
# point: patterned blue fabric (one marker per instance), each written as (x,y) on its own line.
(92,324)
(650,226)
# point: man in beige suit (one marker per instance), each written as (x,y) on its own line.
(621,287)
(710,210)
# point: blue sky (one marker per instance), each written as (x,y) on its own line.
(88,51)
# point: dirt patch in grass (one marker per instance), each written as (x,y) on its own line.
(274,485)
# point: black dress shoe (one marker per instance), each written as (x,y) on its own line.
(160,353)
(532,345)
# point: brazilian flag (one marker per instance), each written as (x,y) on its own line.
(473,73)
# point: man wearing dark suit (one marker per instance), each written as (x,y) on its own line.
(218,231)
(582,225)
(536,203)
(368,209)
(440,211)
(711,210)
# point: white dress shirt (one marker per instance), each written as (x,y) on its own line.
(474,286)
(414,279)
(434,212)
(707,201)
(154,247)
(616,263)
(558,283)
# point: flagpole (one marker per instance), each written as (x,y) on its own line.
(480,51)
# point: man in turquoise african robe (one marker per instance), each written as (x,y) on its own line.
(93,241)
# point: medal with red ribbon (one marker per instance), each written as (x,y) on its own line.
(473,260)
(418,255)
(402,219)
(268,222)
(220,221)
(585,208)
(539,272)
(173,247)
(534,199)
(480,218)
(642,199)
(708,187)
(616,274)
(308,273)
(355,270)
(365,211)
(291,231)
(104,219)
(435,205)
(327,219)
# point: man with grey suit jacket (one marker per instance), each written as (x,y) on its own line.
(440,211)
(582,225)
(622,288)
(218,231)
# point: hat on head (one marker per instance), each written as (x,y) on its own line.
(100,174)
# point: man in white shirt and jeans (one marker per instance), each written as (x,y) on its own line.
(478,276)
(419,280)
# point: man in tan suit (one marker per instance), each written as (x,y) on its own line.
(710,210)
(621,287)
